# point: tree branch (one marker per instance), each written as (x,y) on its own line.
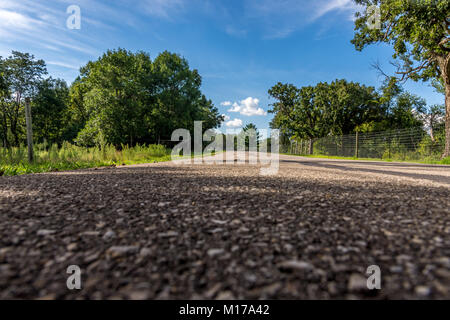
(407,74)
(443,43)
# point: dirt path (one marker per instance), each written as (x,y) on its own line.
(215,231)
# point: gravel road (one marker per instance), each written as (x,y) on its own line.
(165,231)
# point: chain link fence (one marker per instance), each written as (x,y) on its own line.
(405,144)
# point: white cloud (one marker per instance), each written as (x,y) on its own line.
(279,19)
(225,117)
(63,64)
(235,108)
(233,31)
(334,5)
(162,8)
(226,103)
(31,24)
(11,18)
(248,107)
(236,123)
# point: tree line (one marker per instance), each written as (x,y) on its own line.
(123,98)
(342,107)
(419,32)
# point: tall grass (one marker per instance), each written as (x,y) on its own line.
(14,161)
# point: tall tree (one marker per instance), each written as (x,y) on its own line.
(4,98)
(251,133)
(115,98)
(313,112)
(404,112)
(77,114)
(297,111)
(125,98)
(179,100)
(348,105)
(432,118)
(23,74)
(419,32)
(49,109)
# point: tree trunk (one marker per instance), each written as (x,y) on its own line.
(5,132)
(446,77)
(447,119)
(444,66)
(311,146)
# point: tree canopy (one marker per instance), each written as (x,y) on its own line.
(129,99)
(316,111)
(20,76)
(419,32)
(123,98)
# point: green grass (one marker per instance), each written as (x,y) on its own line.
(14,161)
(445,161)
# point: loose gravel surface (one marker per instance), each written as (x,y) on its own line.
(165,231)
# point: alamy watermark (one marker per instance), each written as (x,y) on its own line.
(73,22)
(374,17)
(374,280)
(74,280)
(239,149)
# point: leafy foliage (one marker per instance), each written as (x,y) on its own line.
(311,112)
(125,98)
(50,111)
(419,32)
(21,74)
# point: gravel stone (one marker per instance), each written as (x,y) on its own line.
(171,231)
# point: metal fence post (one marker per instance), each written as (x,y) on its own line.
(390,148)
(357,145)
(29,130)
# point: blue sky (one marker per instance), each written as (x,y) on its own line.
(241,48)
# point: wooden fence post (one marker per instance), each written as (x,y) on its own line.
(357,145)
(29,130)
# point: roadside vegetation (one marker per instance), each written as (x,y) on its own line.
(13,161)
(121,109)
(329,110)
(124,101)
(445,161)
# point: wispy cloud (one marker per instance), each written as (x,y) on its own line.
(279,19)
(162,8)
(40,26)
(63,64)
(233,31)
(334,5)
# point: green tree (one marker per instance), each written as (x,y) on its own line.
(50,112)
(125,98)
(4,98)
(419,32)
(405,112)
(297,112)
(314,112)
(77,114)
(115,97)
(432,117)
(23,74)
(251,133)
(179,100)
(348,105)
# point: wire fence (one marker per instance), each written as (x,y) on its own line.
(405,144)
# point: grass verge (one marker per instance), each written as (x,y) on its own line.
(445,161)
(14,161)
